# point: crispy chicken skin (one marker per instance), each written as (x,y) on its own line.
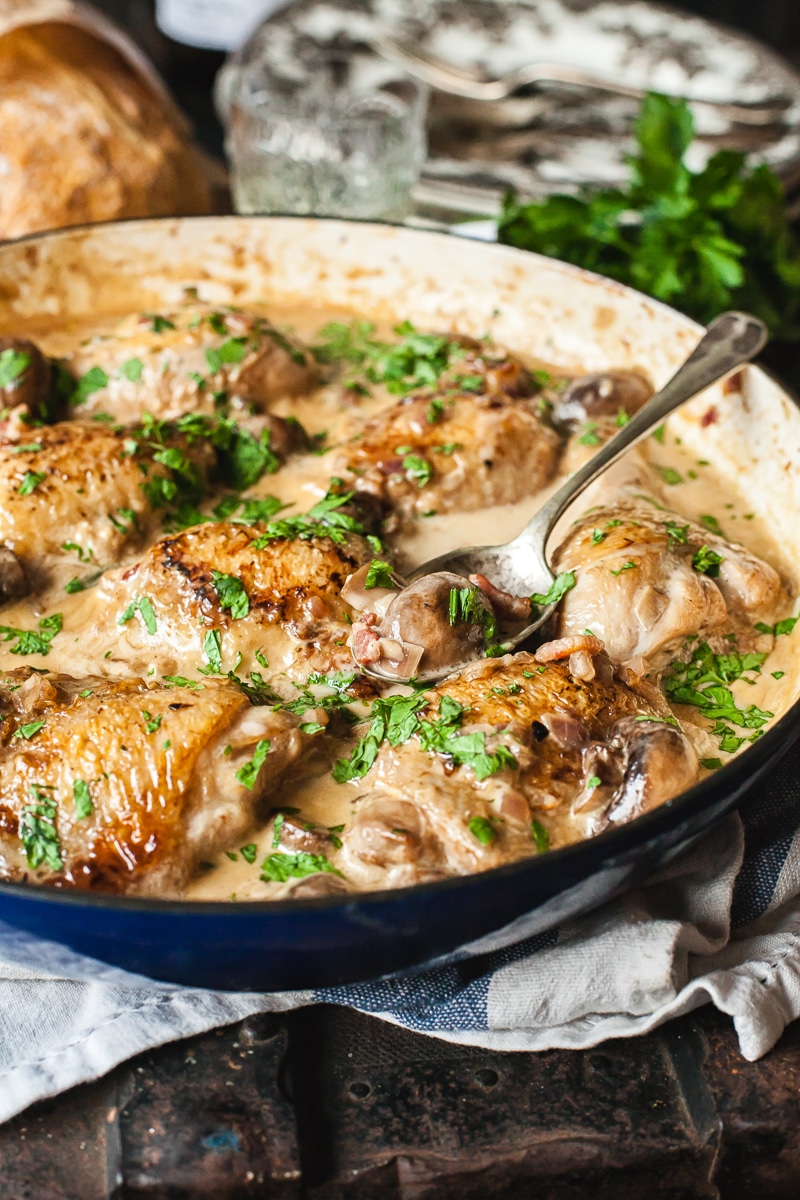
(193,359)
(128,786)
(295,616)
(576,745)
(76,482)
(637,589)
(452,452)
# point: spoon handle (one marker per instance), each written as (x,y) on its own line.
(731,340)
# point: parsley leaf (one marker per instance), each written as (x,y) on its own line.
(144,606)
(132,370)
(37,830)
(212,649)
(278,868)
(94,379)
(379,574)
(707,562)
(30,481)
(231,594)
(557,590)
(482,829)
(13,363)
(540,836)
(418,470)
(30,642)
(151,724)
(465,605)
(28,731)
(248,774)
(83,799)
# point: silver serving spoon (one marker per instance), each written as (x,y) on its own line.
(520,566)
(447,77)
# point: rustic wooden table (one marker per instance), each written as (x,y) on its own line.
(326,1104)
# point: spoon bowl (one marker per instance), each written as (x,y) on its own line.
(521,566)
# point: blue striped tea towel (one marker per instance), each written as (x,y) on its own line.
(720,924)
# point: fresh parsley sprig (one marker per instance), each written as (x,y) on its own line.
(704,241)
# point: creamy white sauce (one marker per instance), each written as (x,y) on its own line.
(79,649)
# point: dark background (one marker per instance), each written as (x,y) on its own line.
(190,73)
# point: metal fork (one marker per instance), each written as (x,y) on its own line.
(446,77)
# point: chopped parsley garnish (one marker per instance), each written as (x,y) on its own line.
(249,852)
(74,585)
(277,826)
(418,470)
(677,535)
(659,433)
(212,650)
(151,723)
(711,764)
(231,594)
(29,730)
(311,727)
(144,606)
(37,830)
(232,351)
(557,590)
(94,379)
(448,447)
(396,719)
(159,324)
(627,566)
(482,829)
(540,836)
(379,574)
(30,481)
(132,370)
(435,411)
(593,782)
(254,511)
(597,536)
(124,521)
(465,605)
(30,642)
(780,628)
(703,683)
(707,562)
(248,774)
(82,798)
(777,674)
(339,697)
(279,868)
(712,525)
(669,475)
(589,434)
(27,448)
(13,363)
(416,361)
(325,519)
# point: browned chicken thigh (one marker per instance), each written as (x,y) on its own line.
(195,359)
(129,786)
(224,596)
(504,743)
(647,578)
(83,488)
(477,440)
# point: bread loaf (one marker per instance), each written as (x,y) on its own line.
(88,133)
